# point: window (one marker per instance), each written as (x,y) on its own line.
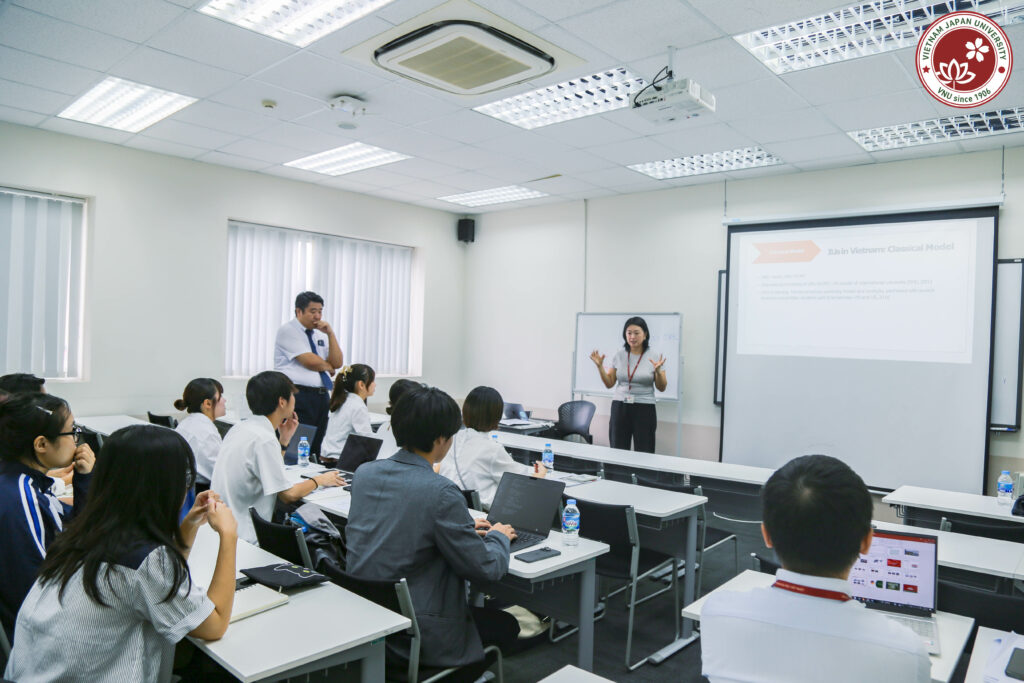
(42,251)
(366,288)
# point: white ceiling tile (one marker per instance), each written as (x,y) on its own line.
(885,110)
(556,11)
(630,30)
(573,44)
(407,103)
(809,149)
(835,162)
(469,158)
(593,193)
(425,189)
(797,123)
(20,116)
(940,149)
(382,176)
(48,37)
(164,147)
(632,151)
(524,18)
(424,169)
(137,21)
(33,99)
(523,145)
(187,3)
(366,126)
(223,118)
(993,142)
(218,43)
(86,130)
(644,184)
(716,64)
(396,13)
(577,160)
(345,182)
(295,174)
(561,185)
(717,138)
(171,72)
(465,126)
(516,172)
(631,120)
(233,160)
(586,131)
(413,142)
(614,177)
(303,138)
(320,77)
(23,67)
(249,95)
(746,173)
(267,151)
(469,182)
(742,16)
(189,134)
(749,99)
(333,44)
(878,75)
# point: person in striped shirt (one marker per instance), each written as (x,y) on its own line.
(37,434)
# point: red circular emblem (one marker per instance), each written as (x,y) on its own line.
(964,59)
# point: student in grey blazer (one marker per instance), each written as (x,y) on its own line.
(406,521)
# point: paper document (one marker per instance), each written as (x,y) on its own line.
(999,656)
(254,599)
(515,422)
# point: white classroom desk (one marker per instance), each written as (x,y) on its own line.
(317,628)
(979,656)
(990,556)
(562,587)
(743,474)
(954,630)
(572,674)
(105,425)
(376,419)
(955,502)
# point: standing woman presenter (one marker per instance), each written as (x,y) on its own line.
(635,373)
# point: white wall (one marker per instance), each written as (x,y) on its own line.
(155,302)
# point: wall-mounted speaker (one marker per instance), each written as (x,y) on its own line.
(466,230)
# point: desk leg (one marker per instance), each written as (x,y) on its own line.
(688,587)
(588,588)
(372,666)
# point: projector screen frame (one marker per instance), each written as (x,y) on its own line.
(987,211)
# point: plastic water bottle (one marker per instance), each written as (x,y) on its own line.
(547,459)
(1004,488)
(571,523)
(303,451)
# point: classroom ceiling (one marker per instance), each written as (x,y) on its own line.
(53,51)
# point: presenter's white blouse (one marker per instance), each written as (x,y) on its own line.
(476,462)
(641,385)
(352,417)
(291,341)
(205,440)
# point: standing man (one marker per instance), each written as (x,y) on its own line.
(307,352)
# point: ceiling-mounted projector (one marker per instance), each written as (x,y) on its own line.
(673,100)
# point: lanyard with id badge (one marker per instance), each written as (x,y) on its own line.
(629,398)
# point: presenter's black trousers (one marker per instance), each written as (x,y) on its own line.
(633,422)
(311,405)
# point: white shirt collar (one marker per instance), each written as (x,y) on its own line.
(820,582)
(262,422)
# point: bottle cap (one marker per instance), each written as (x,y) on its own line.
(547,445)
(571,501)
(1006,471)
(301,439)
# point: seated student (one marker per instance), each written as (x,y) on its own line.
(37,434)
(250,468)
(387,436)
(477,461)
(115,588)
(348,411)
(405,521)
(203,398)
(817,516)
(22,382)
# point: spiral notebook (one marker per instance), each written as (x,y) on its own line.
(253,599)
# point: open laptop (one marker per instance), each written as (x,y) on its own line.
(515,411)
(528,504)
(358,449)
(899,575)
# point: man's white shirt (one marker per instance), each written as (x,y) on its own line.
(291,341)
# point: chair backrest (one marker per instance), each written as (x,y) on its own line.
(287,542)
(1006,531)
(472,499)
(162,420)
(994,610)
(291,454)
(222,427)
(93,439)
(759,563)
(574,417)
(611,524)
(565,464)
(5,647)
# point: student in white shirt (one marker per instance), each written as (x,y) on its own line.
(476,461)
(250,468)
(389,446)
(348,411)
(805,627)
(204,401)
(115,588)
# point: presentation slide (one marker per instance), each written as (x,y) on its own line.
(867,339)
(896,570)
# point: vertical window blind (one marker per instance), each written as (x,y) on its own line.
(366,287)
(42,251)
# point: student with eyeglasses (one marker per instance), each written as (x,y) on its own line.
(37,434)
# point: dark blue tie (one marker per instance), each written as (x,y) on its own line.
(324,377)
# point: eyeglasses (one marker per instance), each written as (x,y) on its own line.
(77,433)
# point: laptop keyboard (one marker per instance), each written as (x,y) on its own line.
(924,628)
(525,539)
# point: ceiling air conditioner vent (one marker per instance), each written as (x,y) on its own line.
(463,57)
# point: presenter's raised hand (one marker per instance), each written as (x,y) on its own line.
(597,357)
(658,363)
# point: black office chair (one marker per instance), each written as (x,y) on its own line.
(574,418)
(472,499)
(988,608)
(1008,531)
(760,563)
(5,649)
(572,466)
(92,439)
(222,427)
(162,420)
(394,595)
(286,542)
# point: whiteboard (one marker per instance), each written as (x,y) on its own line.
(603,331)
(1006,349)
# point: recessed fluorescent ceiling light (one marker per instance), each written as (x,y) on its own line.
(341,160)
(699,164)
(124,105)
(581,96)
(497,195)
(860,30)
(946,129)
(299,22)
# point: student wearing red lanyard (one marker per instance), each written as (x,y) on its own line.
(805,627)
(635,373)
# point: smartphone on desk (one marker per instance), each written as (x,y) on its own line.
(538,554)
(1015,667)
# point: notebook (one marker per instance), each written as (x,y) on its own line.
(529,505)
(253,599)
(899,575)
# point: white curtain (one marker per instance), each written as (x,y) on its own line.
(366,288)
(42,249)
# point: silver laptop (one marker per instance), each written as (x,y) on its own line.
(899,575)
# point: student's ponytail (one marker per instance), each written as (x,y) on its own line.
(345,383)
(197,391)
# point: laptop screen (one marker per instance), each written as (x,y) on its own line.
(358,450)
(899,571)
(526,503)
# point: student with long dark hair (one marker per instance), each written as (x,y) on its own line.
(203,399)
(349,414)
(388,445)
(633,417)
(37,434)
(115,587)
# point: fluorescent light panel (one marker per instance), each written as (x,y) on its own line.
(497,195)
(860,30)
(341,160)
(299,22)
(946,129)
(715,162)
(583,96)
(125,105)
